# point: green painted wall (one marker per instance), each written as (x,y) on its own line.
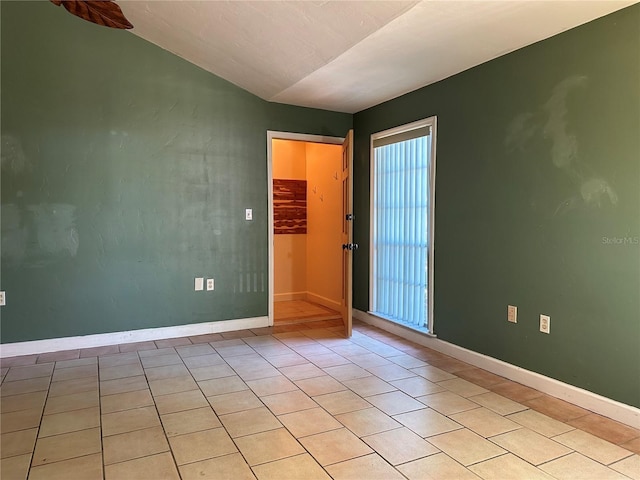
(125,174)
(537,204)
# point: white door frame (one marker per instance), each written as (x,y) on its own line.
(301,137)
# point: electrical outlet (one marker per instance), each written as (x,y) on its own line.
(210,284)
(248,214)
(199,285)
(3,299)
(512,314)
(545,323)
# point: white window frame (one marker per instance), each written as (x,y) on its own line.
(427,122)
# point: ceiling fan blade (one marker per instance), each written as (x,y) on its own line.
(101,12)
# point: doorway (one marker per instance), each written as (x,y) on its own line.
(305,229)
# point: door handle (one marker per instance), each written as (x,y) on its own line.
(349,246)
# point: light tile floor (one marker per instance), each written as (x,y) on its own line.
(293,401)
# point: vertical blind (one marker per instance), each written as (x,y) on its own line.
(401,227)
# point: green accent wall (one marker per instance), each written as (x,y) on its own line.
(537,204)
(125,174)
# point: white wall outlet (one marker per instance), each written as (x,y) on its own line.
(199,285)
(545,323)
(210,284)
(3,299)
(512,314)
(248,214)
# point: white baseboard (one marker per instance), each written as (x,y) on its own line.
(115,338)
(287,297)
(583,398)
(324,301)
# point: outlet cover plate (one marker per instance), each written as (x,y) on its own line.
(512,314)
(210,284)
(3,299)
(545,323)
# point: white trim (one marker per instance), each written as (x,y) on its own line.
(583,398)
(433,123)
(116,338)
(301,137)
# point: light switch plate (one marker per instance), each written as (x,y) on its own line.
(199,285)
(512,314)
(248,214)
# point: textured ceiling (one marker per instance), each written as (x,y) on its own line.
(350,55)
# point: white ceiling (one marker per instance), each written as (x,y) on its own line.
(348,55)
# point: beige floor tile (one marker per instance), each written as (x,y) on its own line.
(203,361)
(417,386)
(341,402)
(70,373)
(67,422)
(391,372)
(268,446)
(400,446)
(288,402)
(394,403)
(368,386)
(480,377)
(161,360)
(484,422)
(156,353)
(335,446)
(30,371)
(172,385)
(301,372)
(508,467)
(18,443)
(126,401)
(137,346)
(20,420)
(406,361)
(371,467)
(24,386)
(309,422)
(15,468)
(234,402)
(66,446)
(592,446)
(346,372)
(189,421)
(497,403)
(578,466)
(605,428)
(632,445)
(287,360)
(230,466)
(433,374)
(206,338)
(367,421)
(77,362)
(77,385)
(129,420)
(136,444)
(320,385)
(178,402)
(58,356)
(25,401)
(630,467)
(297,467)
(327,360)
(197,446)
(159,466)
(462,387)
(556,408)
(436,467)
(530,446)
(172,342)
(213,371)
(540,423)
(118,360)
(121,371)
(249,422)
(427,422)
(271,386)
(88,467)
(75,401)
(95,352)
(168,371)
(257,372)
(466,447)
(448,403)
(220,386)
(195,350)
(369,360)
(234,350)
(123,385)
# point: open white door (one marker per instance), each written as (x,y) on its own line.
(347,232)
